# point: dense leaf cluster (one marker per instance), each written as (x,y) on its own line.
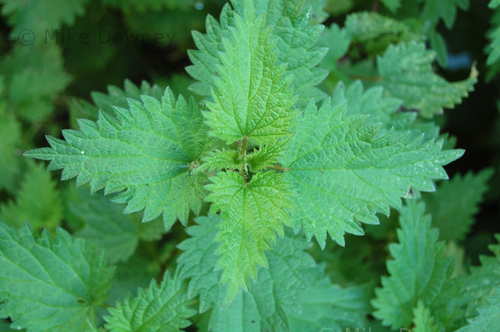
(303,160)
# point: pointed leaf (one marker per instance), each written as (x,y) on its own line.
(38,202)
(454,214)
(143,153)
(345,169)
(50,284)
(406,73)
(164,308)
(253,213)
(418,271)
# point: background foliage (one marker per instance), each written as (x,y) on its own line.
(60,60)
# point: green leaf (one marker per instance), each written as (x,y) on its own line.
(241,315)
(392,5)
(438,44)
(357,263)
(50,284)
(454,214)
(221,159)
(374,32)
(386,110)
(406,73)
(292,294)
(446,10)
(33,82)
(24,16)
(106,102)
(144,153)
(298,43)
(4,327)
(346,168)
(494,3)
(479,287)
(105,226)
(329,306)
(155,5)
(117,97)
(488,316)
(423,320)
(11,137)
(252,96)
(38,202)
(199,259)
(253,213)
(370,102)
(461,297)
(418,271)
(132,275)
(288,28)
(493,49)
(337,40)
(164,308)
(265,157)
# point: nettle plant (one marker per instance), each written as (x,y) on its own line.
(261,166)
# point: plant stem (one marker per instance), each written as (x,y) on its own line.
(243,156)
(366,78)
(279,168)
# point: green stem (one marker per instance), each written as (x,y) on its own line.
(243,156)
(366,78)
(279,168)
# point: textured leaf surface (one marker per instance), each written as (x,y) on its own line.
(144,153)
(488,317)
(117,97)
(462,297)
(50,284)
(251,96)
(289,29)
(370,102)
(221,159)
(345,169)
(164,308)
(199,260)
(25,15)
(338,41)
(114,97)
(293,294)
(406,73)
(418,271)
(105,225)
(38,202)
(383,109)
(454,214)
(423,320)
(376,32)
(262,158)
(483,286)
(253,213)
(298,43)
